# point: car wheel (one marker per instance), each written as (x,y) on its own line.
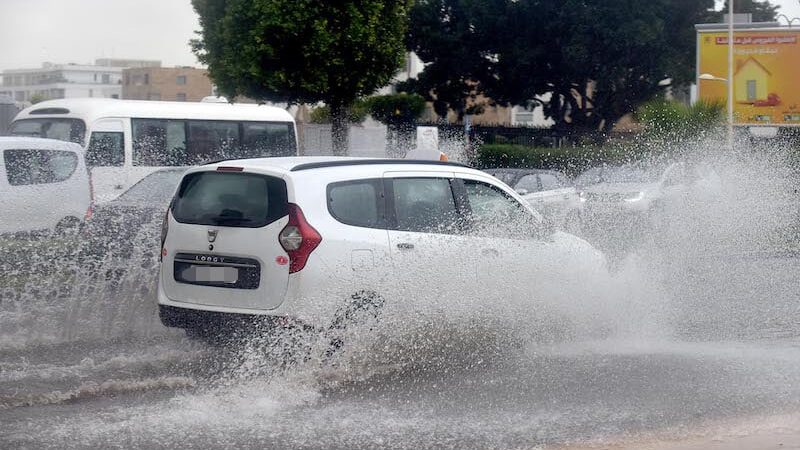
(363,308)
(68,226)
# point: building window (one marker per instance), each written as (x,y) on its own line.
(95,78)
(180,79)
(181,97)
(114,95)
(106,78)
(91,92)
(154,96)
(147,78)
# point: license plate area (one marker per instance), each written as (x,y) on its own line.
(217,270)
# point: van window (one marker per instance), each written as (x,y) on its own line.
(424,205)
(106,149)
(230,199)
(159,142)
(26,167)
(68,130)
(358,203)
(210,141)
(267,139)
(163,142)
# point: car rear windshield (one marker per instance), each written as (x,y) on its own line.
(230,199)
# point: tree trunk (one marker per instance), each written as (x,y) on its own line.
(339,130)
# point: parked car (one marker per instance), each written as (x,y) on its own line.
(114,226)
(633,188)
(44,185)
(310,239)
(547,191)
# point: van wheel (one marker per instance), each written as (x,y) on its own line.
(363,307)
(68,226)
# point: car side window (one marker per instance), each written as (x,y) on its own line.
(425,205)
(25,167)
(358,203)
(495,213)
(529,183)
(549,182)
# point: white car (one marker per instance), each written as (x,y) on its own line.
(44,185)
(305,239)
(636,189)
(548,191)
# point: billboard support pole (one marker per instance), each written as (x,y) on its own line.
(730,75)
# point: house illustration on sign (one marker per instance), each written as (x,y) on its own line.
(751,83)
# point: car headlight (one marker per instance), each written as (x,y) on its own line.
(635,197)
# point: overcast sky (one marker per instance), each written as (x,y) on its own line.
(79,31)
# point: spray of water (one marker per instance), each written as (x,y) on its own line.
(684,277)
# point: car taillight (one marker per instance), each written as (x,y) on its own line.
(298,238)
(164,230)
(90,210)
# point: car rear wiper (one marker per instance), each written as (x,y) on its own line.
(222,220)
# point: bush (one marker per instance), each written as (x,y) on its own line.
(570,160)
(357,113)
(674,122)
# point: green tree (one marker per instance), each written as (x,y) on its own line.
(398,112)
(302,51)
(588,62)
(456,39)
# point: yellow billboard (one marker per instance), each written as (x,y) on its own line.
(766,74)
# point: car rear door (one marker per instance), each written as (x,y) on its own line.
(430,254)
(222,246)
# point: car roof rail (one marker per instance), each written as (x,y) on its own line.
(367,162)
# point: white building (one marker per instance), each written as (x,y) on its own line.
(52,81)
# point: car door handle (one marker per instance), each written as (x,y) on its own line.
(405,246)
(490,252)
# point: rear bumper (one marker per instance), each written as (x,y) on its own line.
(212,321)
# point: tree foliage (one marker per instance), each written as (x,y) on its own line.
(399,112)
(588,62)
(302,51)
(762,11)
(396,110)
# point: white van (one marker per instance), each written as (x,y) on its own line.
(44,185)
(126,140)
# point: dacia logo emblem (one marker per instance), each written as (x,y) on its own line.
(212,235)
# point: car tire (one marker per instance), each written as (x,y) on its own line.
(364,307)
(68,226)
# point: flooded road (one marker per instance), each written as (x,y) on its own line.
(700,325)
(159,389)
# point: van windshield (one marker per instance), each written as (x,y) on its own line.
(230,199)
(62,129)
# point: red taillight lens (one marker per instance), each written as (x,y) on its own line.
(164,230)
(298,238)
(90,210)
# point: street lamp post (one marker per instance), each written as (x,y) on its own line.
(730,74)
